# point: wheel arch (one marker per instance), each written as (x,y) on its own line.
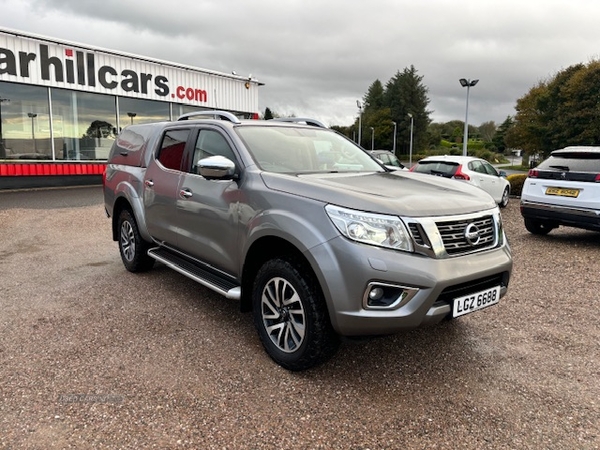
(134,204)
(121,203)
(262,250)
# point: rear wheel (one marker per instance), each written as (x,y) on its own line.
(133,248)
(291,317)
(539,227)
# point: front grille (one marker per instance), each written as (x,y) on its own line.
(415,231)
(456,241)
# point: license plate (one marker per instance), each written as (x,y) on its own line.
(473,302)
(562,192)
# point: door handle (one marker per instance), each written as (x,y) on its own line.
(149,183)
(185,193)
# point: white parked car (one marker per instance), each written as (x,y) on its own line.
(472,170)
(563,190)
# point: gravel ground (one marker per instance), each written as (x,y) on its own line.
(93,357)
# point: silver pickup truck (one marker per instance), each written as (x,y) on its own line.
(306,229)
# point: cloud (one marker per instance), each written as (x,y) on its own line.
(317,58)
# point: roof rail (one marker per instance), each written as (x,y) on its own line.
(211,114)
(306,120)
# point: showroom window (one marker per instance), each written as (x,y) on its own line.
(84,124)
(24,122)
(133,110)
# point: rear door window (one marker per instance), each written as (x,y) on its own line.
(172,148)
(490,170)
(476,166)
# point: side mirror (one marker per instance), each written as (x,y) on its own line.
(502,173)
(216,167)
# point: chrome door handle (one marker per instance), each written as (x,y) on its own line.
(185,193)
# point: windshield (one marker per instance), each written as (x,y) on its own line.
(293,149)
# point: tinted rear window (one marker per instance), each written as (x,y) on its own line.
(443,168)
(572,162)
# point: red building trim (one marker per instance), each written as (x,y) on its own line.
(50,169)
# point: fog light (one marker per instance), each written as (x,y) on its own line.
(387,296)
(376,293)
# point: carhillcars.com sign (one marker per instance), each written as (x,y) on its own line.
(57,64)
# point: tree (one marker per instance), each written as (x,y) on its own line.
(383,129)
(100,129)
(487,130)
(373,100)
(563,110)
(382,106)
(405,93)
(500,135)
(577,118)
(528,130)
(268,114)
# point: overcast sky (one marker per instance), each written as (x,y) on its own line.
(317,57)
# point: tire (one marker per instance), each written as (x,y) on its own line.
(505,195)
(133,248)
(291,316)
(538,227)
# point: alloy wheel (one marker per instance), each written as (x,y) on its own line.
(127,241)
(283,315)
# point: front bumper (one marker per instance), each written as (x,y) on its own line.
(351,267)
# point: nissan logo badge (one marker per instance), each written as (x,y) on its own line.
(472,234)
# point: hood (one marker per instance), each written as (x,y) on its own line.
(399,193)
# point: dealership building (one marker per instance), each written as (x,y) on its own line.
(62,104)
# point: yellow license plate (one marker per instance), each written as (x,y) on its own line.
(562,192)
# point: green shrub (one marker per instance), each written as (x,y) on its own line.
(476,145)
(516,181)
(484,154)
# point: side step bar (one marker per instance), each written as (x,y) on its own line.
(205,277)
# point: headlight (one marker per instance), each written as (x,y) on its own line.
(373,229)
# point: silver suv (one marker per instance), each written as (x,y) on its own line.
(563,190)
(310,232)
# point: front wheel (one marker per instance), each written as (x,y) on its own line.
(133,248)
(291,317)
(505,196)
(538,227)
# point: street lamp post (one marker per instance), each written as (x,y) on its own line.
(410,146)
(359,121)
(32,116)
(468,84)
(394,145)
(372,138)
